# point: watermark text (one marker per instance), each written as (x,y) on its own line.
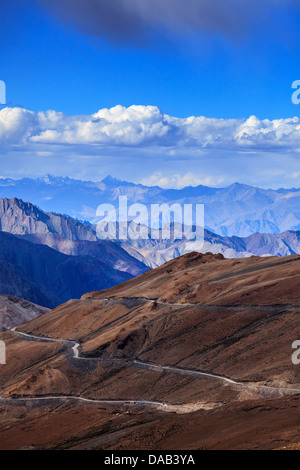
(155,221)
(2,353)
(296,94)
(2,92)
(296,354)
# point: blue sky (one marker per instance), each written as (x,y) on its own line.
(230,63)
(49,64)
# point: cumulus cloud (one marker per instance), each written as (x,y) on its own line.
(16,125)
(146,127)
(134,20)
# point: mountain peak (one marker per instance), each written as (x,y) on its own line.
(111,181)
(190,259)
(53,179)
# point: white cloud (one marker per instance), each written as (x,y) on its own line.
(147,126)
(16,125)
(181,181)
(279,132)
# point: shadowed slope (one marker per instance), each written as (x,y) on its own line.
(46,277)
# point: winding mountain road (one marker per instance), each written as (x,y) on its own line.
(267,391)
(262,390)
(240,308)
(146,403)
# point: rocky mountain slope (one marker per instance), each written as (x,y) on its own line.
(14,311)
(106,251)
(20,218)
(46,277)
(201,345)
(63,234)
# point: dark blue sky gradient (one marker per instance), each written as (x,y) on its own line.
(47,64)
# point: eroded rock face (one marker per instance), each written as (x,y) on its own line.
(23,218)
(15,311)
(64,234)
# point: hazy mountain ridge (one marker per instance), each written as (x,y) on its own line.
(238,209)
(63,234)
(46,277)
(75,238)
(154,252)
(105,251)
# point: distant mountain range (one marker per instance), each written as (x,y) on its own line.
(154,253)
(74,238)
(48,258)
(236,210)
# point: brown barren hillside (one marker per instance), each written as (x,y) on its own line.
(201,345)
(211,279)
